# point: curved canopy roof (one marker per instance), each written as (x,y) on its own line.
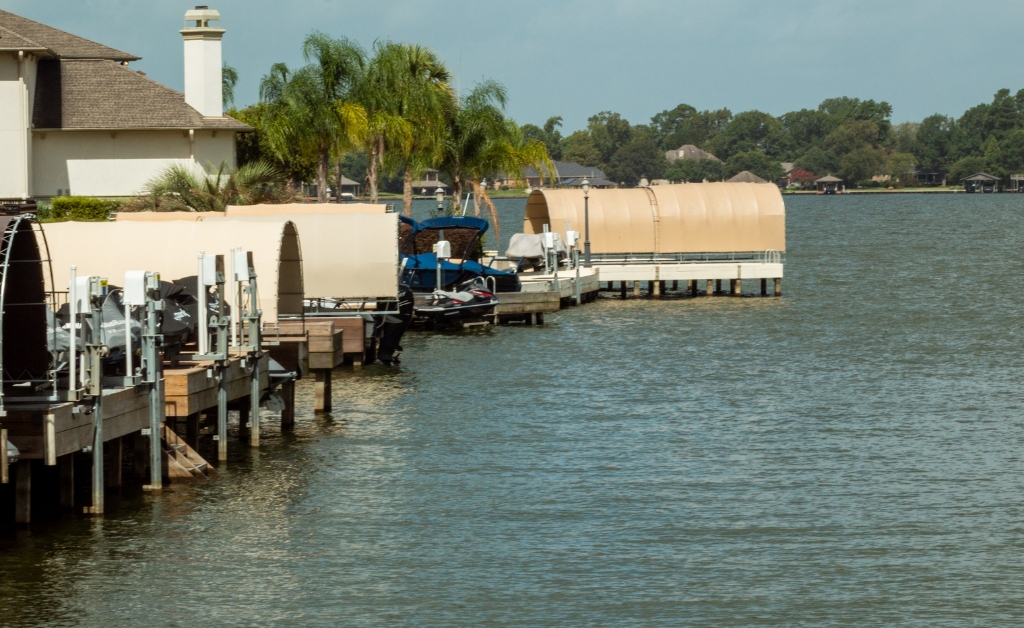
(304,208)
(685,218)
(108,249)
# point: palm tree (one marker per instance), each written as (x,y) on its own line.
(481,142)
(312,109)
(383,92)
(180,188)
(422,97)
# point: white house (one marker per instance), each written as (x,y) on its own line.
(75,119)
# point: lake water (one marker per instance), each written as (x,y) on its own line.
(849,454)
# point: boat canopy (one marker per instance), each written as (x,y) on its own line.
(108,249)
(345,256)
(683,218)
(305,208)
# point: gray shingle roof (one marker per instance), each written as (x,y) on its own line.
(9,40)
(689,151)
(981,176)
(101,94)
(59,43)
(747,177)
(567,170)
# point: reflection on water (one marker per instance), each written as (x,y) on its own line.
(848,454)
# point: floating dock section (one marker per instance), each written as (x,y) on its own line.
(708,232)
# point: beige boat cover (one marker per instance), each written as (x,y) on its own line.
(345,256)
(108,249)
(684,218)
(165,216)
(290,209)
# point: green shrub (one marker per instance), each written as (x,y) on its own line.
(82,208)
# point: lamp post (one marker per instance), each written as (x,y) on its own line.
(586,223)
(439,195)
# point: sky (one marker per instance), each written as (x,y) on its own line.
(575,58)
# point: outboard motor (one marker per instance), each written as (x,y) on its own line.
(389,332)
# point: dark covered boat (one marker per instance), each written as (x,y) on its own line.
(470,301)
(465,234)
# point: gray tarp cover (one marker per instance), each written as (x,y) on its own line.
(532,245)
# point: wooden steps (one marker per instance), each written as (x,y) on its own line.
(181,462)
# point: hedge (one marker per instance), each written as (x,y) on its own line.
(82,208)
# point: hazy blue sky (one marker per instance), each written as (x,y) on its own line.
(574,58)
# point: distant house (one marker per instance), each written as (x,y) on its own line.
(787,170)
(929,176)
(566,172)
(429,183)
(77,120)
(689,151)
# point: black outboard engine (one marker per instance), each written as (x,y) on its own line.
(389,332)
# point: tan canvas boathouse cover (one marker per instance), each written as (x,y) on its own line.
(346,254)
(108,249)
(684,218)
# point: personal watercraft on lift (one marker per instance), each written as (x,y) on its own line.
(471,300)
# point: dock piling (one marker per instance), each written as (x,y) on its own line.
(113,465)
(737,288)
(691,287)
(288,414)
(636,289)
(254,405)
(718,286)
(764,287)
(23,492)
(655,289)
(622,289)
(66,466)
(709,289)
(323,390)
(4,478)
(778,286)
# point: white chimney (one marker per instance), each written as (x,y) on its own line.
(203,89)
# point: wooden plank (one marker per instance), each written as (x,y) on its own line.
(527,302)
(353,328)
(238,386)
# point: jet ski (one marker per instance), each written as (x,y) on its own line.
(471,300)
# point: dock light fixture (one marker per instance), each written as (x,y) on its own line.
(439,195)
(586,223)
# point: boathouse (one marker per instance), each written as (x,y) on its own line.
(108,249)
(697,231)
(981,182)
(829,184)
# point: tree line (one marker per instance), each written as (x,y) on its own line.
(390,112)
(847,137)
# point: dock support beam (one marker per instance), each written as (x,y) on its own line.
(709,289)
(656,289)
(323,390)
(636,289)
(288,414)
(141,450)
(622,289)
(778,286)
(98,478)
(718,286)
(113,467)
(192,430)
(254,406)
(4,478)
(243,418)
(675,286)
(222,415)
(764,287)
(691,287)
(737,287)
(66,466)
(23,492)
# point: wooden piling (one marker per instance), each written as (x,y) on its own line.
(140,468)
(243,419)
(192,430)
(718,286)
(709,289)
(23,492)
(288,414)
(737,287)
(113,456)
(691,287)
(764,287)
(66,466)
(636,289)
(778,286)
(540,318)
(655,288)
(4,477)
(675,286)
(323,390)
(622,289)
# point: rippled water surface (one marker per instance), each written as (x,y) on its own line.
(849,454)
